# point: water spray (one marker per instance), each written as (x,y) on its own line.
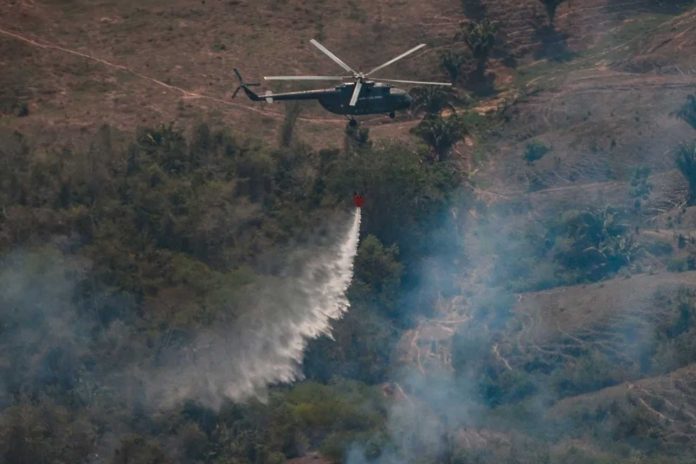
(266,344)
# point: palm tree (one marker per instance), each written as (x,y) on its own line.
(440,133)
(452,62)
(167,146)
(480,38)
(431,99)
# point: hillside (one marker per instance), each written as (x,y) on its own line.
(600,116)
(525,293)
(130,64)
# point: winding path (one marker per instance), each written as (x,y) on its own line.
(187,94)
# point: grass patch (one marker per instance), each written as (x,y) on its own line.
(619,42)
(534,151)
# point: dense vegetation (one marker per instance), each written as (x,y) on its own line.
(172,232)
(138,247)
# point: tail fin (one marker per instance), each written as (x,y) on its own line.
(245,87)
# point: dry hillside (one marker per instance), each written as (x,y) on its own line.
(603,110)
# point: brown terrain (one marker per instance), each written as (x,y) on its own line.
(138,63)
(603,112)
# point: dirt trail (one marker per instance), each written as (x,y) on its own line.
(500,357)
(429,342)
(187,94)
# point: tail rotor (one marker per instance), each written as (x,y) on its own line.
(242,85)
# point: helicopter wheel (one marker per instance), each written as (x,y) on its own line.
(392,115)
(352,122)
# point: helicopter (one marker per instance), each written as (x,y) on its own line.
(364,95)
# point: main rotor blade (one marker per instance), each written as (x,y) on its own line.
(394,60)
(306,78)
(412,82)
(356,94)
(332,56)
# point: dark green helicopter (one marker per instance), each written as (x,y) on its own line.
(359,97)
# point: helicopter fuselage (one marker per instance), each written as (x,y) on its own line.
(374,99)
(364,95)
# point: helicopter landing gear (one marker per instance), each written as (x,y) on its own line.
(352,122)
(392,115)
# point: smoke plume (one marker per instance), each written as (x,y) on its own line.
(235,358)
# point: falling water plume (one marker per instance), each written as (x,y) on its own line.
(266,344)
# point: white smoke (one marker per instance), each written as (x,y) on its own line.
(266,344)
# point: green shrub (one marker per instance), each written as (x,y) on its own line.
(41,431)
(218,47)
(534,151)
(506,386)
(378,268)
(15,90)
(590,372)
(659,248)
(138,450)
(680,265)
(335,413)
(595,243)
(686,162)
